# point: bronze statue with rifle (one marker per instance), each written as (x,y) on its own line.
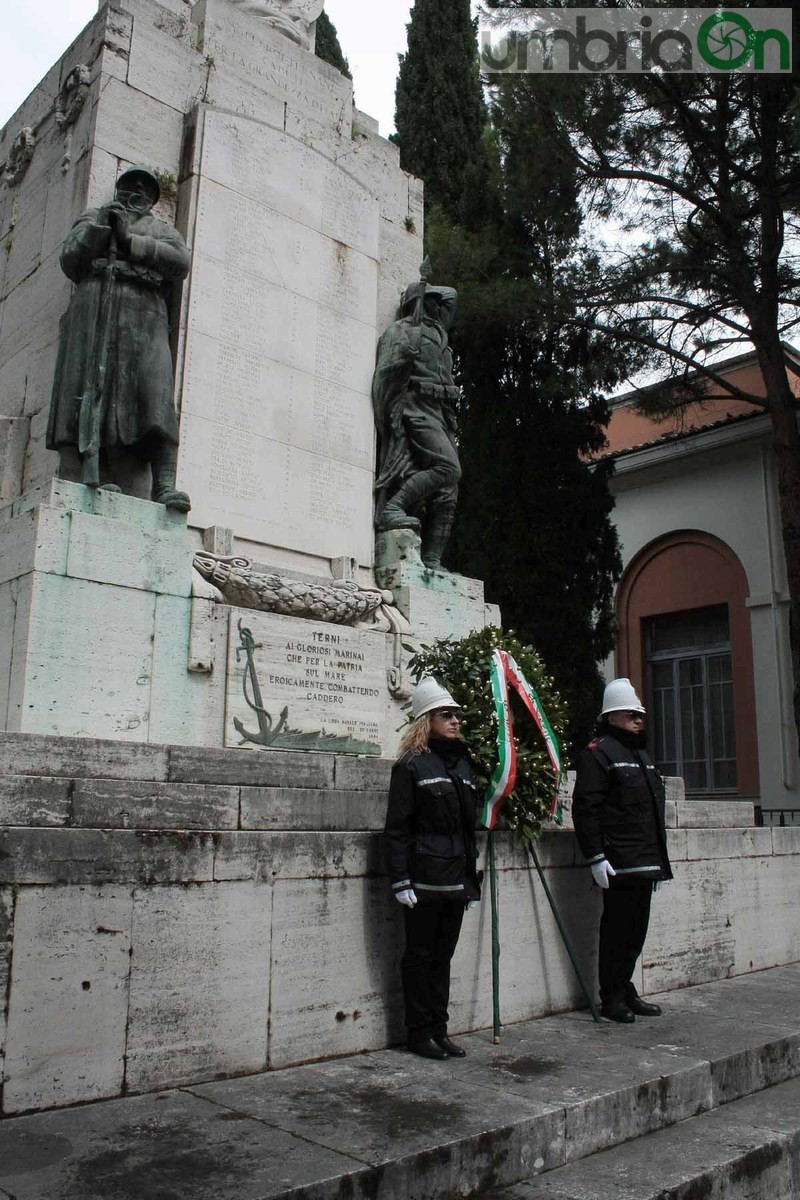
(414,394)
(113,389)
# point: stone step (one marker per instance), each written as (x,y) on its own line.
(390,1126)
(33,754)
(746,1150)
(181,770)
(43,801)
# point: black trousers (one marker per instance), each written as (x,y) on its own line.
(623,929)
(431,938)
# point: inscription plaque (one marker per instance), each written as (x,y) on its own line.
(304,685)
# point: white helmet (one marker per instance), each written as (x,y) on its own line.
(619,696)
(428,695)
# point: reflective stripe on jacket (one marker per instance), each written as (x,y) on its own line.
(618,809)
(430,827)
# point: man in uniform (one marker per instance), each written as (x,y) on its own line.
(618,810)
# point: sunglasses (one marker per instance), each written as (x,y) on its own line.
(449,714)
(635,716)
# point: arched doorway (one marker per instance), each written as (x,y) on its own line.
(684,639)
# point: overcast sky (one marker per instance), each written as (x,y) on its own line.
(35,33)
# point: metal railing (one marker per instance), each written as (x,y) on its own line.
(780,817)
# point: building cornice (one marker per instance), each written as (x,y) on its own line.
(691,444)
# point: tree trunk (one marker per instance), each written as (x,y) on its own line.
(786,441)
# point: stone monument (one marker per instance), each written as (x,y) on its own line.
(262,617)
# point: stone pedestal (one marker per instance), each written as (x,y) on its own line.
(105,631)
(95,612)
(437,604)
(228,913)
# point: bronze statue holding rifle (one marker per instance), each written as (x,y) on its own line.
(413,394)
(112,394)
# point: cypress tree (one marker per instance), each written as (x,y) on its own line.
(440,114)
(327,45)
(535,515)
(503,224)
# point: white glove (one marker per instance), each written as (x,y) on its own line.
(408,897)
(602,872)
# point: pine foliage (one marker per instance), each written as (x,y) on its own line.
(700,173)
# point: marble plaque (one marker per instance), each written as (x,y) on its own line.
(296,684)
(277,438)
(289,177)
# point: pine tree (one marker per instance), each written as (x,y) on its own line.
(327,45)
(701,171)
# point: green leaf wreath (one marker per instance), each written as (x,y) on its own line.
(463,668)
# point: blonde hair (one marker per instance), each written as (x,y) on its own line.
(415,739)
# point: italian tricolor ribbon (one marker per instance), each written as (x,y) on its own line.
(502,672)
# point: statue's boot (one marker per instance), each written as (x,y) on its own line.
(409,495)
(437,535)
(164,466)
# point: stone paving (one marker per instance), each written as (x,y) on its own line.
(535,1113)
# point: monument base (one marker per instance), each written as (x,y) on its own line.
(437,604)
(106,631)
(95,616)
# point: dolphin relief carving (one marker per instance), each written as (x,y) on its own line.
(294,18)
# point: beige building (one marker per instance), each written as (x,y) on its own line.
(702,604)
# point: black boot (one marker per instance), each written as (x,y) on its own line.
(164,466)
(638,1006)
(452,1049)
(428,1048)
(617,1010)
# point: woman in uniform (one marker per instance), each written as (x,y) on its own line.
(431,858)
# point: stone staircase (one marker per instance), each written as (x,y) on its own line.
(174,920)
(702,1103)
(748,1150)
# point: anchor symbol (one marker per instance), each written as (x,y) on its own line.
(266,735)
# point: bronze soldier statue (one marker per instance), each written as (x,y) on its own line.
(113,388)
(413,393)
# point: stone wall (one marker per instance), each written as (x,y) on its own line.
(169,915)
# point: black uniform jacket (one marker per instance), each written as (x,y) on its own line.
(618,808)
(430,823)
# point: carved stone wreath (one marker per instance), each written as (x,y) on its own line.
(19,156)
(72,96)
(341,602)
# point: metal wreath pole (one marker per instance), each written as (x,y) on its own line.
(495,941)
(529,846)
